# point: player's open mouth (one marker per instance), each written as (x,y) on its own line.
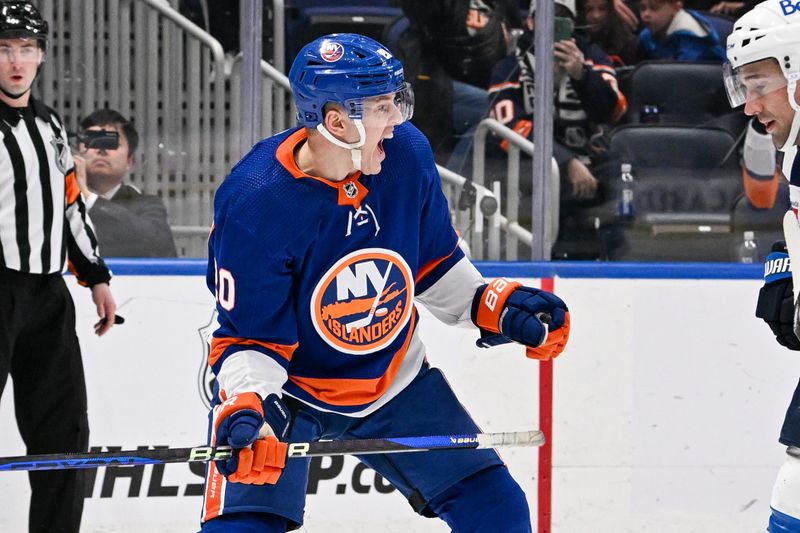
(380,147)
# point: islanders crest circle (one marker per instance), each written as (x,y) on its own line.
(363,302)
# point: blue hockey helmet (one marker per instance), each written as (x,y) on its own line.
(346,69)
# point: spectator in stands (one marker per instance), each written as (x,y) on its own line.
(587,101)
(672,32)
(448,54)
(605,25)
(127,222)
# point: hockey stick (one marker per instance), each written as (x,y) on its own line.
(296,449)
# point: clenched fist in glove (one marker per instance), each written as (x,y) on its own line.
(238,423)
(507,311)
(776,304)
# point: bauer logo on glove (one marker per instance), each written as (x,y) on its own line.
(240,422)
(506,311)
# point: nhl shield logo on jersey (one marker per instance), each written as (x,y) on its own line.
(60,149)
(331,51)
(350,189)
(205,378)
(363,302)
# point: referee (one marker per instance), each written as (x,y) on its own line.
(43,226)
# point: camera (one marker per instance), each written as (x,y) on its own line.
(99,139)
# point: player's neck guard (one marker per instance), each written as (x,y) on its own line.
(355,148)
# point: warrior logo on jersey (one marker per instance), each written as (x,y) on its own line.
(331,51)
(363,302)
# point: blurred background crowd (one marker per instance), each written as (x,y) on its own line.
(650,161)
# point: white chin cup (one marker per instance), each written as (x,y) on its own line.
(355,148)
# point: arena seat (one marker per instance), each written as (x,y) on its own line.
(766,223)
(722,23)
(683,92)
(686,180)
(307,19)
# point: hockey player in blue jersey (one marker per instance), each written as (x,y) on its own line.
(762,73)
(325,236)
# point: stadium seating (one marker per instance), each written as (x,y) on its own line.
(683,92)
(766,223)
(687,179)
(722,23)
(308,19)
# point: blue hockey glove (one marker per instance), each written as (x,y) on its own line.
(507,311)
(238,423)
(776,304)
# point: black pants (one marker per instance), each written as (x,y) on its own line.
(39,348)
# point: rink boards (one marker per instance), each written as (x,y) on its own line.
(668,402)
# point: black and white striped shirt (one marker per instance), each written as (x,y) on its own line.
(43,220)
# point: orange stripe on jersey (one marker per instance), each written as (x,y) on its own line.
(285,156)
(214,489)
(761,192)
(219,345)
(621,108)
(523,127)
(504,85)
(72,187)
(425,270)
(347,392)
(74,272)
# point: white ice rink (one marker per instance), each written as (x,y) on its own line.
(668,402)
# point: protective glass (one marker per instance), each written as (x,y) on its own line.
(744,85)
(377,111)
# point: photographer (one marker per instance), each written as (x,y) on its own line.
(128,223)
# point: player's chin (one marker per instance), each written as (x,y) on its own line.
(374,163)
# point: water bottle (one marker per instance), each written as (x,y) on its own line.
(625,207)
(747,252)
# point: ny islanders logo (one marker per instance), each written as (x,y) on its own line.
(363,301)
(331,51)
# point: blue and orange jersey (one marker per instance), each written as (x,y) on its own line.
(581,106)
(317,279)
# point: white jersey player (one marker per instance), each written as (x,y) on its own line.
(762,73)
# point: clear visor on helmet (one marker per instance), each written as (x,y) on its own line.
(380,110)
(743,84)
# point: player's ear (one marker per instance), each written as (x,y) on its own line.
(335,119)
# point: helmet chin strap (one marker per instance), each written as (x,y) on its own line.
(795,129)
(14,96)
(355,148)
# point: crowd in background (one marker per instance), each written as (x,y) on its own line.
(472,59)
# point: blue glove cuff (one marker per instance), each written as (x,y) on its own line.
(277,416)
